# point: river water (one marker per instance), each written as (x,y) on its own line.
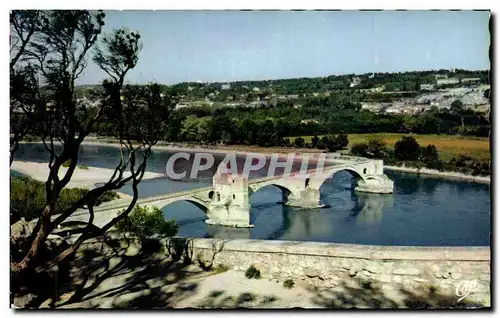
(422,211)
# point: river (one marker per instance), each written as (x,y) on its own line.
(422,211)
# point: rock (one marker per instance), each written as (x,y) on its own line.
(397,279)
(406,271)
(20,230)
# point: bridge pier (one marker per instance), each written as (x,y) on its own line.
(307,198)
(379,183)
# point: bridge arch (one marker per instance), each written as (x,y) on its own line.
(286,191)
(358,175)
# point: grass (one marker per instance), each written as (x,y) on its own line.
(448,146)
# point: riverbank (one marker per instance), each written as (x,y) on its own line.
(82,178)
(441,174)
(246,150)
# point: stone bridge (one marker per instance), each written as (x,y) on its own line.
(227,201)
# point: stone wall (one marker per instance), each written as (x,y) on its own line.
(390,272)
(415,270)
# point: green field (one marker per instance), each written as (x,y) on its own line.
(448,145)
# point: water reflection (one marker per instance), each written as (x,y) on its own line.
(229,233)
(370,207)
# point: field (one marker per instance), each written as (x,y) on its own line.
(448,146)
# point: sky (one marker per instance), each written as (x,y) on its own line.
(225,46)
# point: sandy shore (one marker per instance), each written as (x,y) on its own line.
(82,178)
(441,174)
(245,150)
(238,150)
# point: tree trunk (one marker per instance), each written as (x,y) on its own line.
(19,268)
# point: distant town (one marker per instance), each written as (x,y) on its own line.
(389,93)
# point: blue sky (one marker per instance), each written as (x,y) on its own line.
(182,46)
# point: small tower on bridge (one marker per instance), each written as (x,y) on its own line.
(230,204)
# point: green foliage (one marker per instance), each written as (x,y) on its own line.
(333,143)
(430,157)
(407,149)
(468,165)
(457,106)
(67,163)
(314,141)
(147,221)
(299,142)
(27,197)
(375,148)
(288,284)
(252,272)
(359,149)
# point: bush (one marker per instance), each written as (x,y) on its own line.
(376,149)
(27,197)
(333,143)
(407,149)
(469,165)
(314,141)
(147,221)
(430,157)
(288,284)
(252,272)
(359,149)
(299,142)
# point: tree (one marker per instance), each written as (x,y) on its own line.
(359,149)
(407,149)
(376,148)
(196,129)
(24,24)
(457,107)
(55,57)
(314,141)
(430,157)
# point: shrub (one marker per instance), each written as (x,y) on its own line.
(407,149)
(287,143)
(430,157)
(359,149)
(147,221)
(314,141)
(334,143)
(288,284)
(27,197)
(252,272)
